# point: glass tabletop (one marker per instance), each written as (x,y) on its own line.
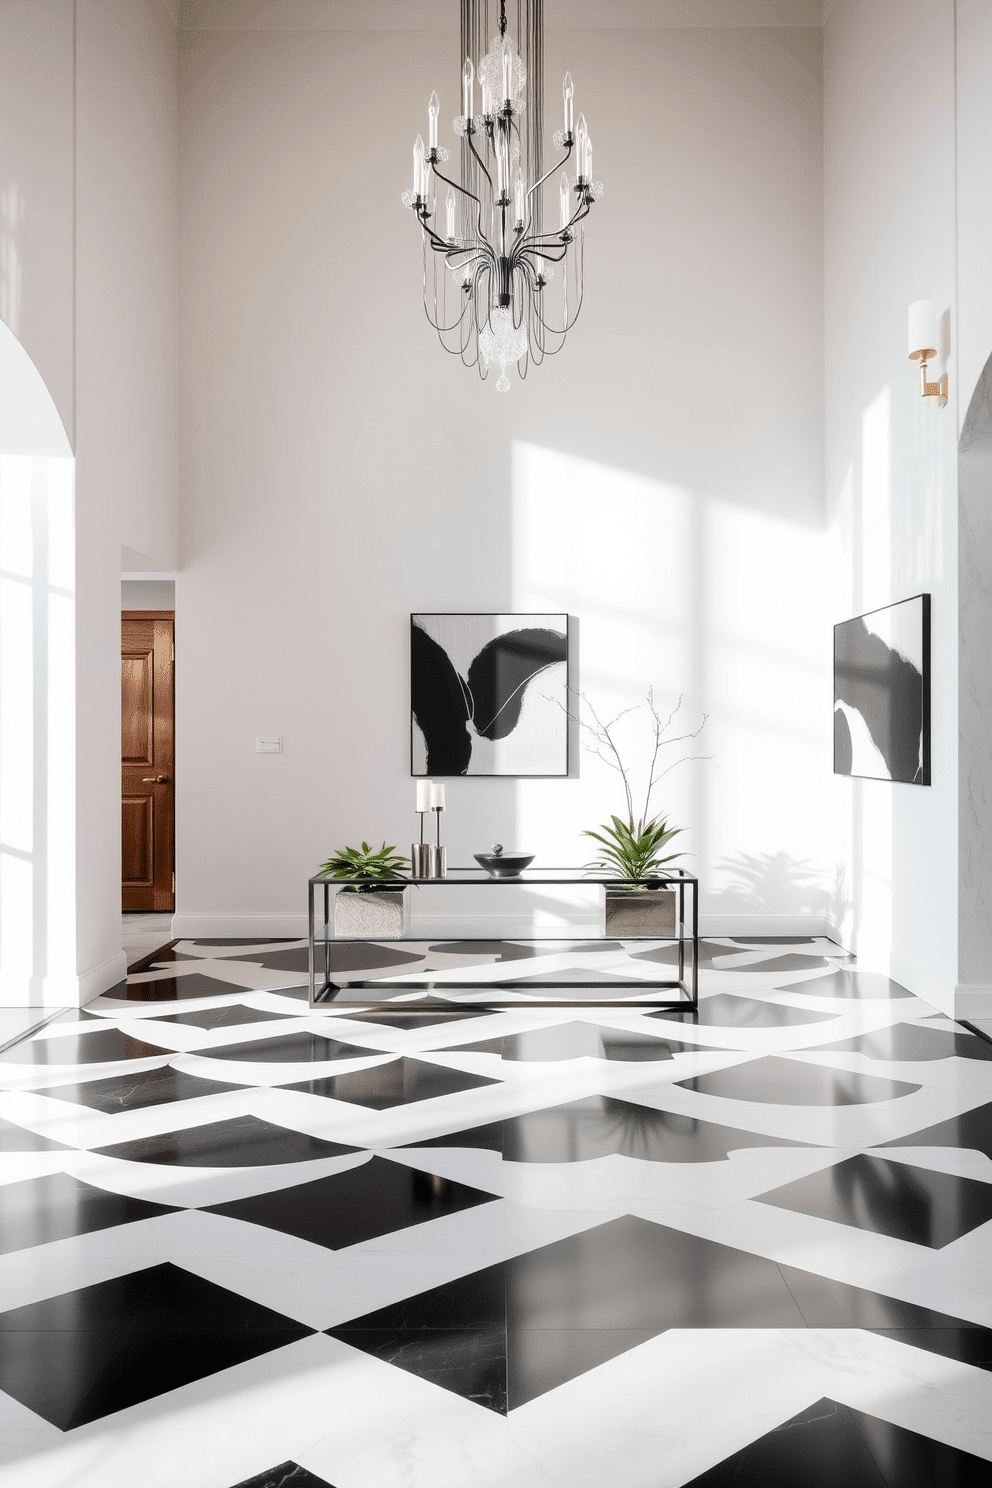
(533,875)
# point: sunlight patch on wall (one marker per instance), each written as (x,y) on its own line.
(699,598)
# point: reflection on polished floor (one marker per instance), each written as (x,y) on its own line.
(246,1243)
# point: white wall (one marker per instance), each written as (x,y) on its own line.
(889,164)
(661,480)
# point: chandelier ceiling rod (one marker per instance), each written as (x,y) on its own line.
(494,246)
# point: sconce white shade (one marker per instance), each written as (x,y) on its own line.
(922,330)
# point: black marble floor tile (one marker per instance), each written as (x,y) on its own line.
(301,1047)
(908,1041)
(241,1142)
(890,1198)
(285,1475)
(99,1046)
(782,965)
(35,1211)
(134,1092)
(239,940)
(868,985)
(470,1362)
(601,1125)
(829,1444)
(972,1131)
(182,988)
(791,1082)
(574,1040)
(294,958)
(221,1017)
(771,940)
(84,1355)
(820,1447)
(910,1460)
(418,1020)
(15,1138)
(968,1345)
(402,1082)
(825,1303)
(377,1198)
(349,957)
(725,1010)
(500,950)
(624,1282)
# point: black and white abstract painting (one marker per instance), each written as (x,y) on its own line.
(489,694)
(882,693)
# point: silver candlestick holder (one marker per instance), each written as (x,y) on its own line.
(438,862)
(420,854)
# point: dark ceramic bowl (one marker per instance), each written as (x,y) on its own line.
(504,865)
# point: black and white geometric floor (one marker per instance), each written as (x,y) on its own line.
(243,1242)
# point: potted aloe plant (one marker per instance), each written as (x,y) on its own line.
(633,847)
(363,910)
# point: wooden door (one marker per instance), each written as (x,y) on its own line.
(147,760)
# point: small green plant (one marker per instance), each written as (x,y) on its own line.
(383,864)
(633,850)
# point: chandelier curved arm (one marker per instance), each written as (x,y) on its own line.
(442,330)
(548,174)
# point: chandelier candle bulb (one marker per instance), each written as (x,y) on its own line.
(568,92)
(451,215)
(507,69)
(566,201)
(468,89)
(518,192)
(433,109)
(419,173)
(587,168)
(581,140)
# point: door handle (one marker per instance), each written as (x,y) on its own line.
(154,779)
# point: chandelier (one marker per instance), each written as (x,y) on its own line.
(490,287)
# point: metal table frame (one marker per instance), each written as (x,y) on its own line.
(324,989)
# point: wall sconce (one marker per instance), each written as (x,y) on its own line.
(923,348)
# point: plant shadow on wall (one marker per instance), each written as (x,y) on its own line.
(777,883)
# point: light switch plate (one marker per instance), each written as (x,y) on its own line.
(268,746)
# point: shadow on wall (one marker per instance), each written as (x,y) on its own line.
(37,690)
(707,601)
(777,883)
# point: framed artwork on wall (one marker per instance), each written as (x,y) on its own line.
(882,693)
(489,695)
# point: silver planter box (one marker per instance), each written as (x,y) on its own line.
(382,915)
(639,912)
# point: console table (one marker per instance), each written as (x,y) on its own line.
(342,967)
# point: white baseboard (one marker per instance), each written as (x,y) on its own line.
(746,926)
(97,979)
(933,989)
(65,990)
(973,1000)
(238,926)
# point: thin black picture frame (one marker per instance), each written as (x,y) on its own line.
(494,615)
(926,687)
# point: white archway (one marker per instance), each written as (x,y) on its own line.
(37,691)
